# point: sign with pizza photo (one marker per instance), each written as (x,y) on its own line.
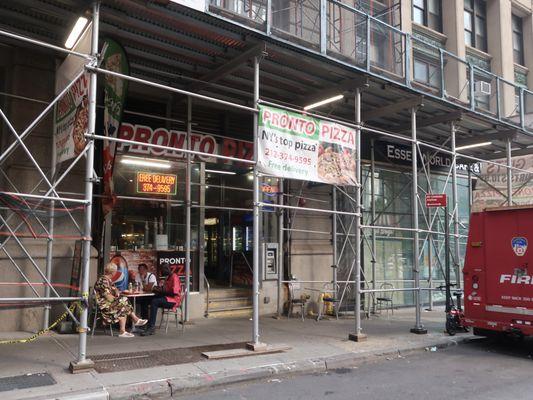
(298,146)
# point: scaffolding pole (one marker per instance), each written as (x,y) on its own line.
(357,335)
(455,210)
(373,216)
(430,244)
(255,344)
(83,362)
(418,328)
(509,173)
(50,240)
(281,232)
(334,240)
(188,213)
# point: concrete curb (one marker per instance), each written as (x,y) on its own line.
(165,388)
(94,394)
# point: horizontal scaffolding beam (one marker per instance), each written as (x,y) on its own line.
(39,299)
(168,148)
(51,198)
(171,89)
(320,210)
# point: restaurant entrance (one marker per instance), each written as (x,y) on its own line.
(228,226)
(228,248)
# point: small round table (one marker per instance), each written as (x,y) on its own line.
(135,295)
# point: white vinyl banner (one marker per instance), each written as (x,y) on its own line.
(72,110)
(298,146)
(491,185)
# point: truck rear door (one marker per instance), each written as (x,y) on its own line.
(508,259)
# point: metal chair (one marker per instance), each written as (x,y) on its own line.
(296,298)
(385,297)
(95,310)
(329,295)
(167,312)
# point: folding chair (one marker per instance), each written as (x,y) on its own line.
(179,310)
(386,298)
(296,298)
(328,294)
(96,311)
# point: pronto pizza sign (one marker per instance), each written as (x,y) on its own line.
(299,146)
(178,139)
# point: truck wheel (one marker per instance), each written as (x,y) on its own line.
(482,332)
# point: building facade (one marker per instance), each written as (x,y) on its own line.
(457,68)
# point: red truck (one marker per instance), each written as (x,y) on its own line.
(498,284)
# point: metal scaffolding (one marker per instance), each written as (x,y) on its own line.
(353,235)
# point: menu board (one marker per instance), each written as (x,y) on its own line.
(298,146)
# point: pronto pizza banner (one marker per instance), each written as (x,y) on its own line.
(297,146)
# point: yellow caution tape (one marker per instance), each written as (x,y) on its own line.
(42,331)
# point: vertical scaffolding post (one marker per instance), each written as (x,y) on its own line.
(357,336)
(470,200)
(188,212)
(50,241)
(509,174)
(334,239)
(255,343)
(83,363)
(455,210)
(373,216)
(418,328)
(323,26)
(430,246)
(280,245)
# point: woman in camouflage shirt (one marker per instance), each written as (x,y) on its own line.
(114,307)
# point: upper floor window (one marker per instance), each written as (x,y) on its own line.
(427,72)
(475,16)
(518,40)
(428,13)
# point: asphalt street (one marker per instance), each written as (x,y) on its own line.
(479,369)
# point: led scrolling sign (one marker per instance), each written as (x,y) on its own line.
(154,183)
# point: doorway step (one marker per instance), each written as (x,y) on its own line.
(229,303)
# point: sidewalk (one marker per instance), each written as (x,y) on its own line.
(315,346)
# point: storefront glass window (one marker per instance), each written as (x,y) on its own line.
(394,249)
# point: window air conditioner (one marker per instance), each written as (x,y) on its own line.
(482,88)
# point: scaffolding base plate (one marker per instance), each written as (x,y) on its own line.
(77,367)
(357,337)
(419,331)
(256,346)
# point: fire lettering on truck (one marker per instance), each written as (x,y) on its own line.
(516,280)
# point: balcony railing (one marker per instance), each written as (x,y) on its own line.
(350,35)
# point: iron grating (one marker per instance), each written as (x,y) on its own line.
(26,381)
(145,359)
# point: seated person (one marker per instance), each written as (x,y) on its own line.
(146,280)
(167,296)
(114,307)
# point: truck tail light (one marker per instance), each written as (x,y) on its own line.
(475,282)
